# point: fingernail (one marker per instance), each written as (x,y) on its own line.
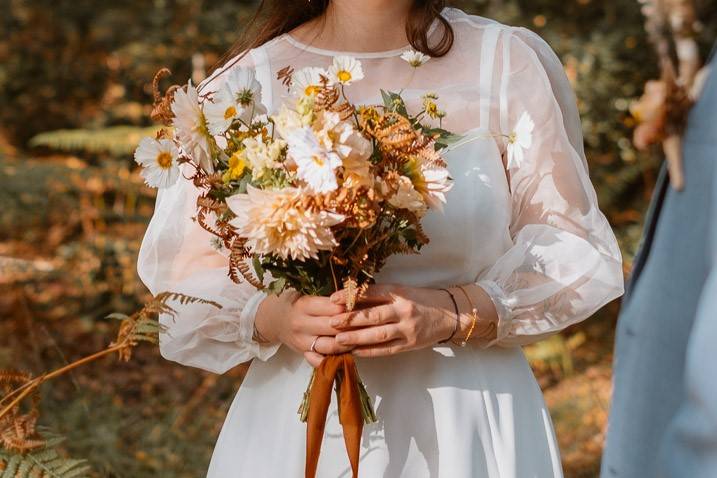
(335,323)
(335,298)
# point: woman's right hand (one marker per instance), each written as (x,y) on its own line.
(297,320)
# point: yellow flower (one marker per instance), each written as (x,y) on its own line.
(237,165)
(431,107)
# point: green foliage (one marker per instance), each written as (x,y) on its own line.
(47,462)
(115,140)
(67,63)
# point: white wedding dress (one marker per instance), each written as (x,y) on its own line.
(529,232)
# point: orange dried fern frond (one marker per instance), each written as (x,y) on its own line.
(285,75)
(162,106)
(18,430)
(238,265)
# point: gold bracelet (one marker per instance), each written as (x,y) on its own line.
(474,316)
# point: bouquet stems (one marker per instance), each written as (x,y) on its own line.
(367,411)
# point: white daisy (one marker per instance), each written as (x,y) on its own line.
(414,58)
(158,159)
(239,97)
(345,70)
(190,125)
(307,80)
(315,164)
(519,140)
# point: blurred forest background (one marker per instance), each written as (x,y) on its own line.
(75,98)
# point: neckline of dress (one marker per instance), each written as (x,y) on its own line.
(356,54)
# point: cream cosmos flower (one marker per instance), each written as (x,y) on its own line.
(306,81)
(191,127)
(275,222)
(158,159)
(406,197)
(315,164)
(430,177)
(414,58)
(239,97)
(519,140)
(345,70)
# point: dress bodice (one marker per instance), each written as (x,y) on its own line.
(472,231)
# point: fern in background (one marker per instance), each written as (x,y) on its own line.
(115,140)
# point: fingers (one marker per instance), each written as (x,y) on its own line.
(314,326)
(313,358)
(382,350)
(375,294)
(372,316)
(370,336)
(319,306)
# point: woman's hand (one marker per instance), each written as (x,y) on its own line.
(297,321)
(398,319)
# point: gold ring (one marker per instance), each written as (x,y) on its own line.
(313,344)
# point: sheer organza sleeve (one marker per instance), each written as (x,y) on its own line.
(177,255)
(564,263)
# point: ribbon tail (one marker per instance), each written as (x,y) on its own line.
(321,386)
(350,413)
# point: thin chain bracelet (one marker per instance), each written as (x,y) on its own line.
(458,317)
(474,316)
(257,337)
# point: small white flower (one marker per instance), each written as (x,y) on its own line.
(414,58)
(519,140)
(262,156)
(307,80)
(315,164)
(345,70)
(190,125)
(158,159)
(239,97)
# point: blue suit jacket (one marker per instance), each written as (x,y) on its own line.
(660,307)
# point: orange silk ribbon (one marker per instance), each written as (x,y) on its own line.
(349,410)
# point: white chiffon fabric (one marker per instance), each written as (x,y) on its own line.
(531,235)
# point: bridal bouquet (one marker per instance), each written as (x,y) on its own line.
(315,197)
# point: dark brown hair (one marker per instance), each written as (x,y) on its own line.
(276,17)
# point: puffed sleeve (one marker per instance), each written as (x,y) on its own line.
(177,255)
(564,263)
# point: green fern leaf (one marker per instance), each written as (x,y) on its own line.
(46,462)
(117,140)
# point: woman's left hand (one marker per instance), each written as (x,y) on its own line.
(393,319)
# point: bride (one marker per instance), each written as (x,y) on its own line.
(520,252)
